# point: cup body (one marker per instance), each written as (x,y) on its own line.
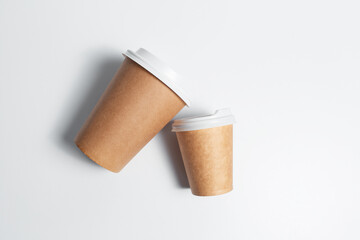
(133,109)
(206,145)
(208,159)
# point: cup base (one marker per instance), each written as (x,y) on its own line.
(95,160)
(214,193)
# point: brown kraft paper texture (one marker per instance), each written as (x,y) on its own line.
(208,159)
(132,110)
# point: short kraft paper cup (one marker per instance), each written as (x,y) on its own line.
(206,145)
(140,100)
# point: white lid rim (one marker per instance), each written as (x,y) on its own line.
(167,80)
(220,118)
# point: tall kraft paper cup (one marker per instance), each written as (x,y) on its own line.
(206,145)
(140,100)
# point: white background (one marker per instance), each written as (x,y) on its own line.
(289,70)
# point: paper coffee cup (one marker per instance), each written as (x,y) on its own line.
(206,145)
(140,100)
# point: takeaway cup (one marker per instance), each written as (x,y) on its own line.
(141,99)
(206,145)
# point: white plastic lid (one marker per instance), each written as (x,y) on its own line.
(159,69)
(220,118)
